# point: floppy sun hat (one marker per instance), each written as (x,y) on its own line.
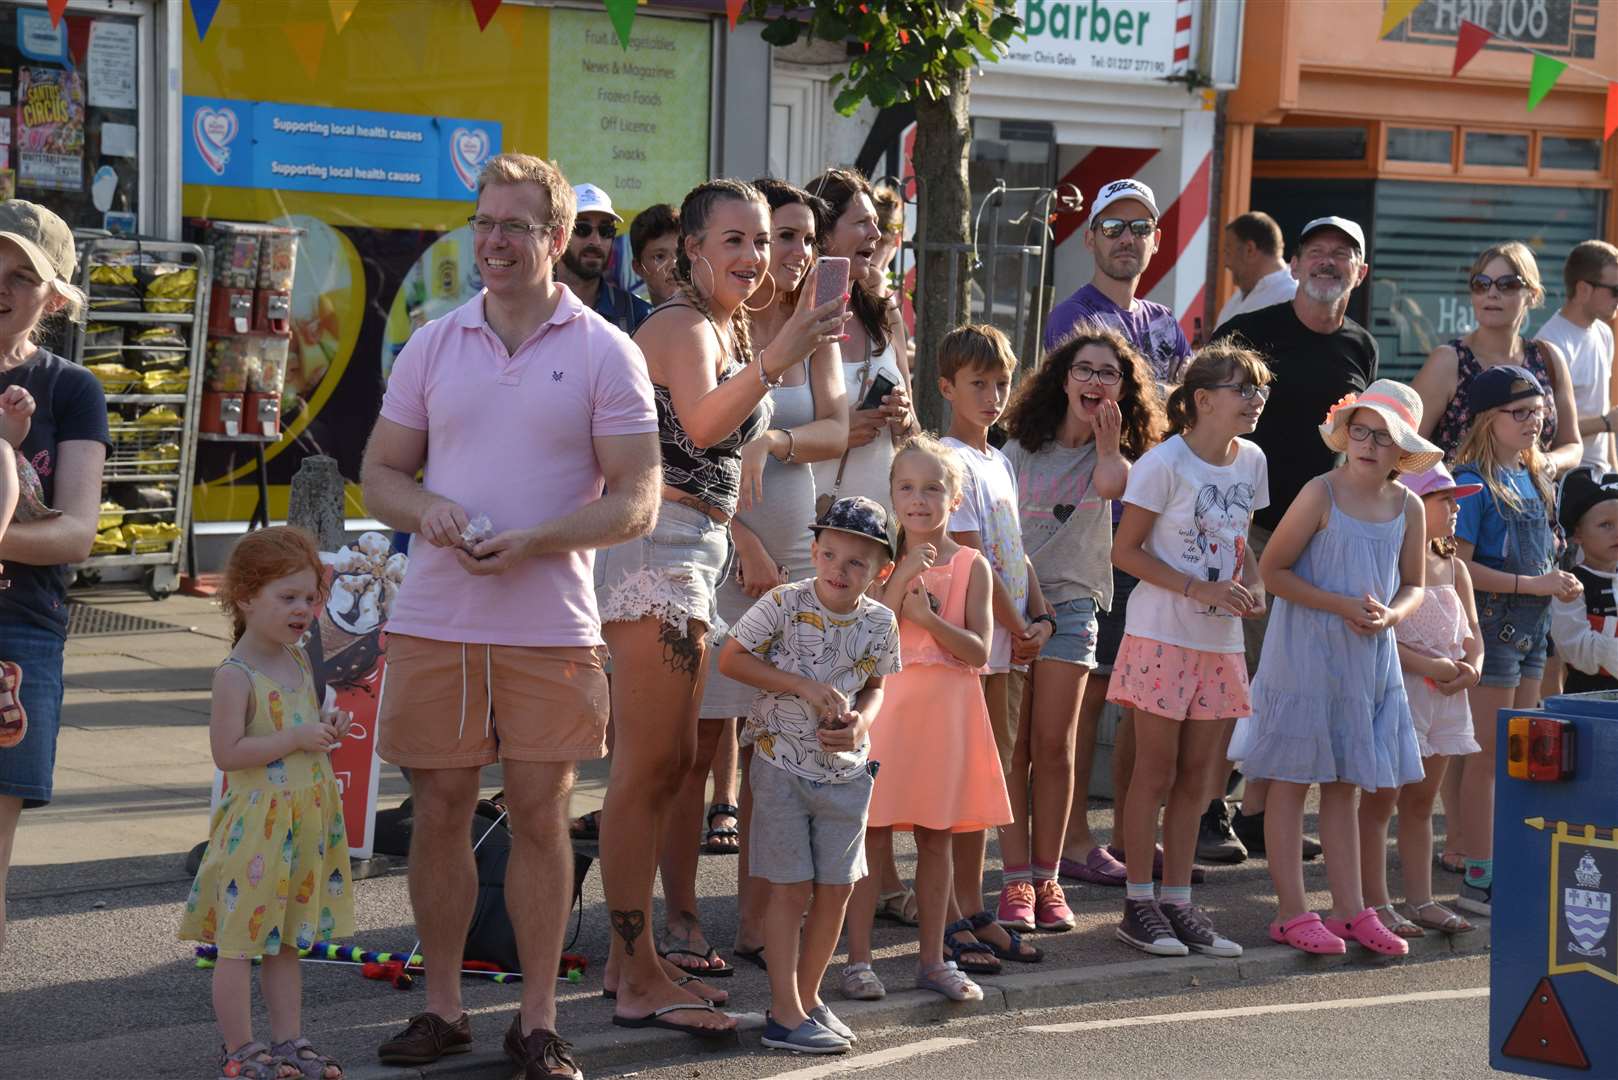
(1437,481)
(1400,407)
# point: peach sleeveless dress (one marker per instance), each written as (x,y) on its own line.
(937,763)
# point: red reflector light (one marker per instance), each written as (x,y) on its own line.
(1540,748)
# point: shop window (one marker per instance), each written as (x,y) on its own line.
(1309,144)
(1498,149)
(1426,236)
(69,115)
(1426,146)
(1574,155)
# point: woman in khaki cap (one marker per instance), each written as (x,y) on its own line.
(52,413)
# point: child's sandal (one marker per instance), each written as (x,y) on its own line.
(253,1061)
(949,980)
(1444,921)
(1368,930)
(310,1063)
(1396,922)
(1308,933)
(899,907)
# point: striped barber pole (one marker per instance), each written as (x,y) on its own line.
(1182,35)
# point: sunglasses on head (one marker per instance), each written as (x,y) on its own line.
(606,230)
(1113,228)
(1508,284)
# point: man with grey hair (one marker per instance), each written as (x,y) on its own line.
(494,641)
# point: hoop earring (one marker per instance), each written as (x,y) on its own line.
(713,278)
(775,291)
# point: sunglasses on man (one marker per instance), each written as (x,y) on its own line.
(1612,290)
(606,229)
(1508,284)
(1113,228)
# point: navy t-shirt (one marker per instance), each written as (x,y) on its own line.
(69,407)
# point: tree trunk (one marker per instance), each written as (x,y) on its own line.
(943,135)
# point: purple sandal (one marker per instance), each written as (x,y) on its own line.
(1098,868)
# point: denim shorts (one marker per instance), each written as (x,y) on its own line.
(672,573)
(1515,630)
(1110,623)
(25,769)
(1074,641)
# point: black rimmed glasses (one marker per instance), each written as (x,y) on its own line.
(1101,376)
(1247,390)
(1360,432)
(1526,413)
(486,225)
(1508,284)
(1113,228)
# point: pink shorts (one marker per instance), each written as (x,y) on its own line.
(1179,683)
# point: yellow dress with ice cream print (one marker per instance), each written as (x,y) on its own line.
(276,869)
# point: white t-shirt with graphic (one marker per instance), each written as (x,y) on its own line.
(1588,352)
(1203,513)
(989,508)
(791,630)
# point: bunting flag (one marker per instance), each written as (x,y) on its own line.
(1546,71)
(202,13)
(1395,12)
(733,10)
(622,13)
(1468,43)
(57,7)
(1612,110)
(341,12)
(308,40)
(485,10)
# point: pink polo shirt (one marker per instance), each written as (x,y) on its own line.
(510,437)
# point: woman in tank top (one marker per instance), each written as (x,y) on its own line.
(869,348)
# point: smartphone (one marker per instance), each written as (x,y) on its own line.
(831,279)
(880,387)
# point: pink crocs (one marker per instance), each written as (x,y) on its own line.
(1368,930)
(1308,934)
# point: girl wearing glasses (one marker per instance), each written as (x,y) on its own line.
(1504,285)
(1090,410)
(1346,565)
(1504,535)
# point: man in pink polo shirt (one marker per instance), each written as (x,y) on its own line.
(519,405)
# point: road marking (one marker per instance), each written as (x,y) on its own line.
(1261,1010)
(871,1061)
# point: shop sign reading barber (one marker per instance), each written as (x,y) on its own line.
(1084,39)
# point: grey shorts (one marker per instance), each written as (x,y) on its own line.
(672,573)
(806,830)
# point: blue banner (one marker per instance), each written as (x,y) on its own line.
(262,144)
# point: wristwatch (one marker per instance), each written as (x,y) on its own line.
(1045,618)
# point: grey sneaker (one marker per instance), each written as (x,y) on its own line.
(1146,928)
(1216,840)
(822,1015)
(807,1038)
(1475,898)
(1195,930)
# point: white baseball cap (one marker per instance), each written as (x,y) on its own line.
(1341,224)
(592,200)
(1122,189)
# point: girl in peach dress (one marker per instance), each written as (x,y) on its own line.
(938,772)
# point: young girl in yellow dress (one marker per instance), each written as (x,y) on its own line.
(275,876)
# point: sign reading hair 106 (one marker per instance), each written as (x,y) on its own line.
(1112,39)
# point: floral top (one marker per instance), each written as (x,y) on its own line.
(1452,425)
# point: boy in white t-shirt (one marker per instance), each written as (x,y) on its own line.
(975,364)
(1581,331)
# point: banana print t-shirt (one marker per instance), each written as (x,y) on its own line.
(791,630)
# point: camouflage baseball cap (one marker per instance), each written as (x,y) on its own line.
(861,517)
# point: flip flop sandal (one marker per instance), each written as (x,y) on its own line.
(1445,923)
(310,1063)
(654,1019)
(723,971)
(1307,933)
(949,980)
(752,956)
(252,1062)
(1015,952)
(1098,868)
(713,842)
(586,826)
(1368,930)
(899,907)
(13,718)
(1393,920)
(683,980)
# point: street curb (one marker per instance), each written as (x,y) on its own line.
(608,1047)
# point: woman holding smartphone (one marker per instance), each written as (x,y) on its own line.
(869,348)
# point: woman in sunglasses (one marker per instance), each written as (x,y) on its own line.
(1505,284)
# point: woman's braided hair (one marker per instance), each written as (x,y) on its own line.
(695,211)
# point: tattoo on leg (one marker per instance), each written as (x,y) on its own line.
(629,925)
(682,650)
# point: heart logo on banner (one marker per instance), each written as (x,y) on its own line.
(468,149)
(213,131)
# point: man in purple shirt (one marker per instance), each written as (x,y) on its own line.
(1123,235)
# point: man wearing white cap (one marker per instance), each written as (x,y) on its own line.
(1123,235)
(583,268)
(1317,354)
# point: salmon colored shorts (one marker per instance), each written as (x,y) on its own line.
(448,705)
(1179,683)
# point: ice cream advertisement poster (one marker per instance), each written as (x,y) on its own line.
(50,129)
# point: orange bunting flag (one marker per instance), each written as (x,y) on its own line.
(341,12)
(485,10)
(308,40)
(1468,43)
(733,10)
(56,8)
(1395,12)
(1612,110)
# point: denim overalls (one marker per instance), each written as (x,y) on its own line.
(1516,626)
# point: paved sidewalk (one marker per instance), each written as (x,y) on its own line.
(93,982)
